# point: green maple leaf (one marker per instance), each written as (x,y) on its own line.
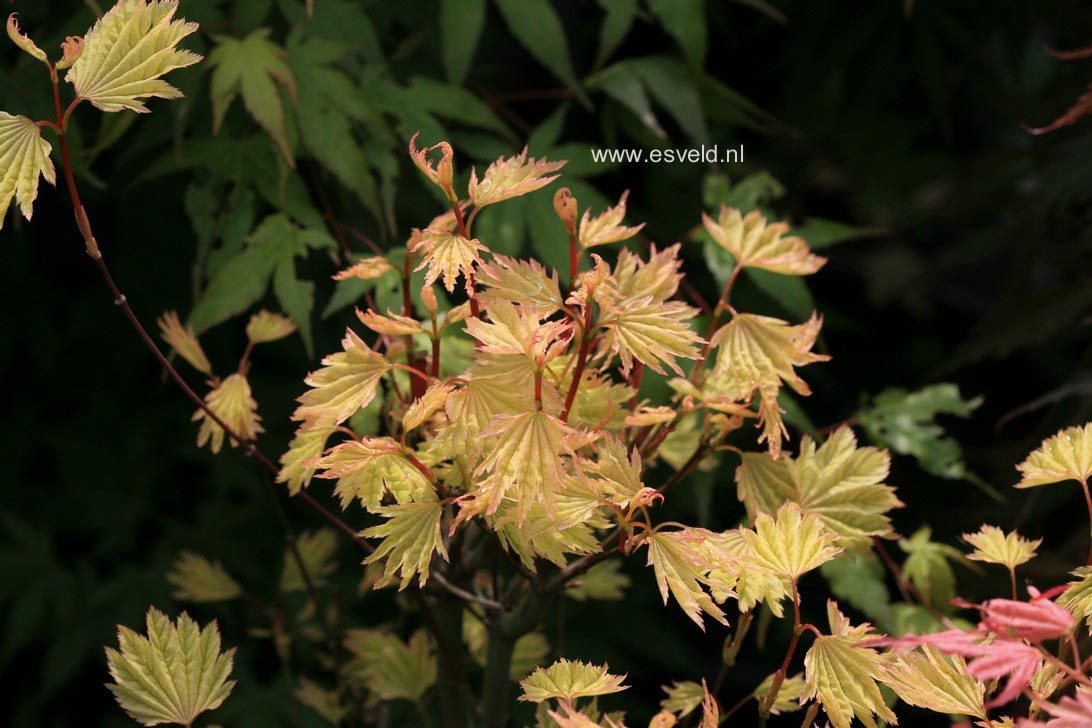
(173,674)
(252,67)
(25,157)
(269,256)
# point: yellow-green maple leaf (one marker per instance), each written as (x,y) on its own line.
(233,403)
(448,254)
(842,675)
(1064,456)
(606,227)
(429,403)
(1077,597)
(173,674)
(368,469)
(994,546)
(526,462)
(792,543)
(682,566)
(837,481)
(511,177)
(183,339)
(346,383)
(788,695)
(410,535)
(252,67)
(266,326)
(127,51)
(390,668)
(683,698)
(318,551)
(755,243)
(759,354)
(738,573)
(196,579)
(649,331)
(567,680)
(24,156)
(308,444)
(524,282)
(930,679)
(603,582)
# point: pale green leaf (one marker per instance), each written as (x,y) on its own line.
(1064,456)
(791,544)
(173,674)
(127,51)
(410,536)
(567,680)
(930,679)
(317,550)
(927,567)
(788,696)
(347,382)
(390,668)
(842,675)
(1077,597)
(24,155)
(683,698)
(994,546)
(196,579)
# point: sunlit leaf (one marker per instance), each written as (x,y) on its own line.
(994,546)
(410,536)
(369,468)
(842,675)
(184,341)
(793,543)
(1064,456)
(266,326)
(567,680)
(233,403)
(682,566)
(755,243)
(346,383)
(929,679)
(127,51)
(607,226)
(511,177)
(24,155)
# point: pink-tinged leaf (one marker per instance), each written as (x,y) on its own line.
(1004,657)
(1034,621)
(1071,711)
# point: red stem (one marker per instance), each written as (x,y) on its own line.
(581,361)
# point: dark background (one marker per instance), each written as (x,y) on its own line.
(908,121)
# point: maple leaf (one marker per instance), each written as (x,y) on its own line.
(448,254)
(522,282)
(306,445)
(252,67)
(792,543)
(370,468)
(390,668)
(1072,711)
(619,470)
(520,330)
(602,582)
(634,278)
(439,172)
(232,402)
(127,51)
(24,156)
(265,327)
(1036,620)
(184,341)
(392,324)
(994,546)
(842,675)
(346,383)
(683,698)
(567,680)
(196,579)
(366,269)
(527,458)
(788,696)
(318,552)
(607,226)
(837,481)
(1077,597)
(758,354)
(173,674)
(22,41)
(429,403)
(410,536)
(1064,456)
(928,679)
(650,332)
(755,243)
(927,567)
(739,573)
(1002,658)
(511,177)
(682,566)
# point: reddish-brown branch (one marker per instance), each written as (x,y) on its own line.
(581,360)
